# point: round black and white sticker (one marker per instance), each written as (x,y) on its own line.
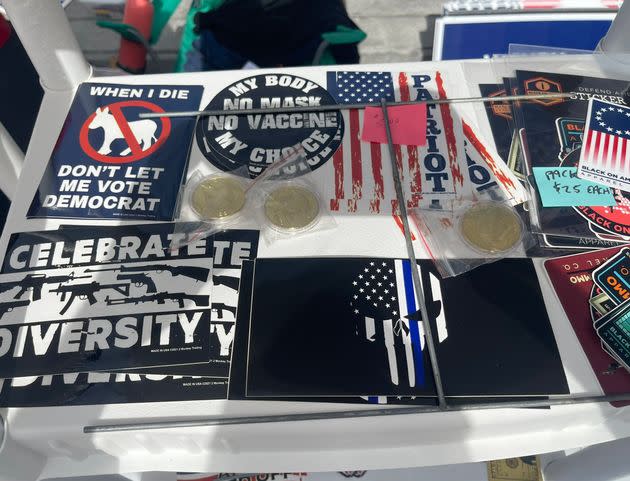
(249,143)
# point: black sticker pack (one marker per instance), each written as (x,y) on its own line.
(333,335)
(238,365)
(551,133)
(378,349)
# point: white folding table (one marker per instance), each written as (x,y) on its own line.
(49,442)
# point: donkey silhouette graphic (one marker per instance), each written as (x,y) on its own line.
(143,130)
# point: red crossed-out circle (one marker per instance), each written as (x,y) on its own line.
(116,109)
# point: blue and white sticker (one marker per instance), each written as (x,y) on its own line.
(110,163)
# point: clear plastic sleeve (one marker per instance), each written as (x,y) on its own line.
(287,206)
(280,201)
(213,203)
(472,233)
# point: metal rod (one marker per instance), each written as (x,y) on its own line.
(400,411)
(325,108)
(415,276)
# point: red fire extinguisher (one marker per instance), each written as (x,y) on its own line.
(5,31)
(132,55)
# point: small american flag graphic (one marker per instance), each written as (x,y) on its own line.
(362,170)
(605,155)
(382,295)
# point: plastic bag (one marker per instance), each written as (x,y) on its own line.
(287,208)
(271,202)
(471,233)
(286,205)
(212,203)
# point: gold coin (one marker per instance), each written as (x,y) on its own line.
(218,198)
(291,207)
(491,227)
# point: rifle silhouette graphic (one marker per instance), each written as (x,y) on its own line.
(220,307)
(196,273)
(36,282)
(86,291)
(161,298)
(9,306)
(228,281)
(138,279)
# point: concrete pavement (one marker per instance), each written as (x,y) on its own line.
(398,30)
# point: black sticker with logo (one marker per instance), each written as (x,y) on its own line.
(553,130)
(231,142)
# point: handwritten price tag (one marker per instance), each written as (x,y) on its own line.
(407,122)
(561,187)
